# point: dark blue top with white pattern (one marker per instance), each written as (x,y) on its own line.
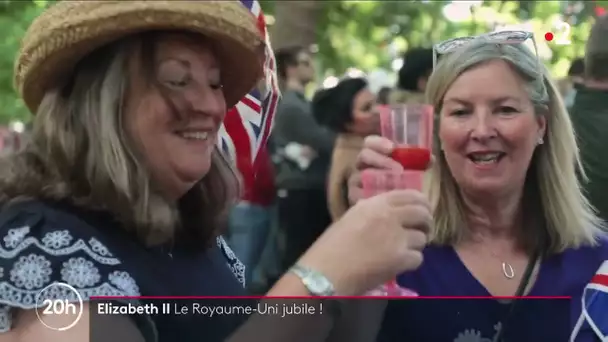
(44,243)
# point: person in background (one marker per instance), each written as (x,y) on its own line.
(510,218)
(383,95)
(297,62)
(302,203)
(380,84)
(589,115)
(245,138)
(269,268)
(576,73)
(348,109)
(251,219)
(413,76)
(575,79)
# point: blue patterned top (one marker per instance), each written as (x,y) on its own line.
(42,244)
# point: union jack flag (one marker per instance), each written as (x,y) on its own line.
(248,124)
(595,305)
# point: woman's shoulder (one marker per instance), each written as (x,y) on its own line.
(587,258)
(590,253)
(573,268)
(601,249)
(42,245)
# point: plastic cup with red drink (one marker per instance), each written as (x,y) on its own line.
(410,127)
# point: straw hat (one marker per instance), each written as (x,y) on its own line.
(69,30)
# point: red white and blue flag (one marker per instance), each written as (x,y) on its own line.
(248,124)
(595,305)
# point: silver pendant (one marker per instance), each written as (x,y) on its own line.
(507,270)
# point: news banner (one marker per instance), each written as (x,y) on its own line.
(196,308)
(63,299)
(594,304)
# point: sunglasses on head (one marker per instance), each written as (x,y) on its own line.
(499,37)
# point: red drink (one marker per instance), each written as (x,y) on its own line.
(410,127)
(412,158)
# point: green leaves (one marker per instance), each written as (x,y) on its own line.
(366,33)
(15,17)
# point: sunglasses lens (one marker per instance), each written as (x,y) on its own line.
(502,36)
(499,37)
(510,36)
(451,45)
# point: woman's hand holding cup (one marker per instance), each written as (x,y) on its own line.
(380,236)
(376,239)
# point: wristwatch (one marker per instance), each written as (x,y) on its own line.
(315,282)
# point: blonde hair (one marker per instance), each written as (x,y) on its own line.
(79,152)
(552,193)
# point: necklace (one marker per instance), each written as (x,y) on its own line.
(508,270)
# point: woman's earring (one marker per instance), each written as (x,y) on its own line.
(541,141)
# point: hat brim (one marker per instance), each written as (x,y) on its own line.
(70,30)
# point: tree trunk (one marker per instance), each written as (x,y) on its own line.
(295,23)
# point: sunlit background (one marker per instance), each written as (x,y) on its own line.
(352,38)
(370,36)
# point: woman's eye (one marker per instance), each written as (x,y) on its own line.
(178,83)
(216,86)
(367,107)
(459,112)
(507,110)
(173,74)
(215,79)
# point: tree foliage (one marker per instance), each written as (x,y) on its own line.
(370,34)
(364,34)
(15,16)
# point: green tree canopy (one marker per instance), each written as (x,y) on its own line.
(365,34)
(369,34)
(15,17)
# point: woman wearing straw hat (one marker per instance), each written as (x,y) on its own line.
(123,192)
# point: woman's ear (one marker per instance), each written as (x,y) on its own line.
(542,126)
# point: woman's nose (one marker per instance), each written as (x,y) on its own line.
(483,126)
(206,101)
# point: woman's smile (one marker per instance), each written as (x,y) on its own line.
(486,160)
(201,139)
